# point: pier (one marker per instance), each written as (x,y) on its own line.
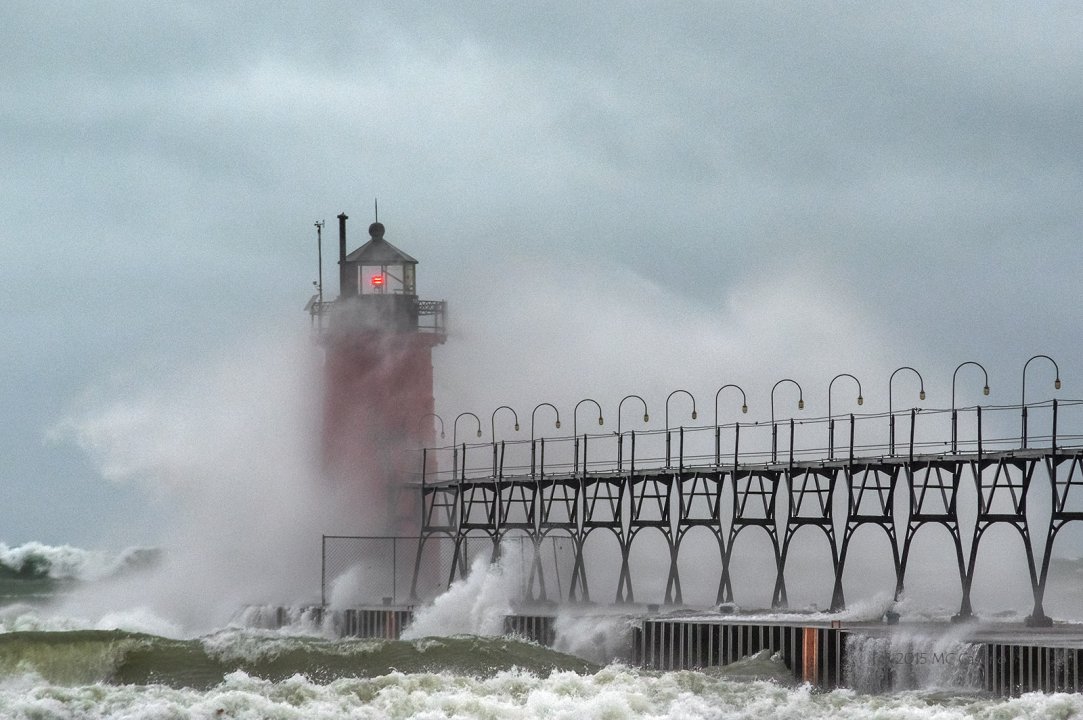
(716,483)
(698,490)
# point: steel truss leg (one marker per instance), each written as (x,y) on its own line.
(421,539)
(536,573)
(725,582)
(577,587)
(458,560)
(625,594)
(673,581)
(778,597)
(1037,617)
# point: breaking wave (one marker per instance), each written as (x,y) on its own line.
(35,561)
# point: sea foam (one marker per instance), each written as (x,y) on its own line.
(615,692)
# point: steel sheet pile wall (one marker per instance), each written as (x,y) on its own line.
(383,623)
(536,628)
(1016,669)
(814,654)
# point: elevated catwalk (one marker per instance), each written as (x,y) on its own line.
(627,486)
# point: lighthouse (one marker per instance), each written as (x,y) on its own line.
(378,339)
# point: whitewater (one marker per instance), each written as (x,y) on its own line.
(452,663)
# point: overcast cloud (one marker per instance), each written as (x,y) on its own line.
(781,189)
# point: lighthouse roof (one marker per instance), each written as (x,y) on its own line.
(378,251)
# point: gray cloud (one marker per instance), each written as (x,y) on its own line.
(163,164)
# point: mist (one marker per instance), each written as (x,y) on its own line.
(223,448)
(558,331)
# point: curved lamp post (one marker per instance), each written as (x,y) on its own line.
(492,420)
(831,420)
(717,433)
(575,438)
(668,397)
(1023,400)
(556,425)
(620,437)
(492,429)
(890,409)
(954,413)
(774,430)
(432,415)
(455,426)
(455,437)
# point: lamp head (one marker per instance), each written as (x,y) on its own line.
(985,390)
(479,433)
(860,400)
(557,425)
(516,427)
(921,395)
(441,434)
(646,417)
(693,414)
(1056,384)
(801,404)
(600,420)
(744,409)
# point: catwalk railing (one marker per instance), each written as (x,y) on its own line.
(778,476)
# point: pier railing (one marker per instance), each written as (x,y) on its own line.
(839,438)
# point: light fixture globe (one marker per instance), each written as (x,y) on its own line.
(600,420)
(1056,384)
(516,427)
(744,409)
(860,400)
(693,414)
(557,425)
(921,395)
(985,390)
(646,417)
(800,404)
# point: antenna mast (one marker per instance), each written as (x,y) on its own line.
(319,260)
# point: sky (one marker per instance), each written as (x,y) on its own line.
(612,198)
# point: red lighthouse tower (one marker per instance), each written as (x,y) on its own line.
(378,337)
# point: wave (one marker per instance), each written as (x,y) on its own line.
(80,657)
(37,561)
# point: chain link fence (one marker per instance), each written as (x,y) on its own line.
(360,571)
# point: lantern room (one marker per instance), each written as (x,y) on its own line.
(378,289)
(381,268)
